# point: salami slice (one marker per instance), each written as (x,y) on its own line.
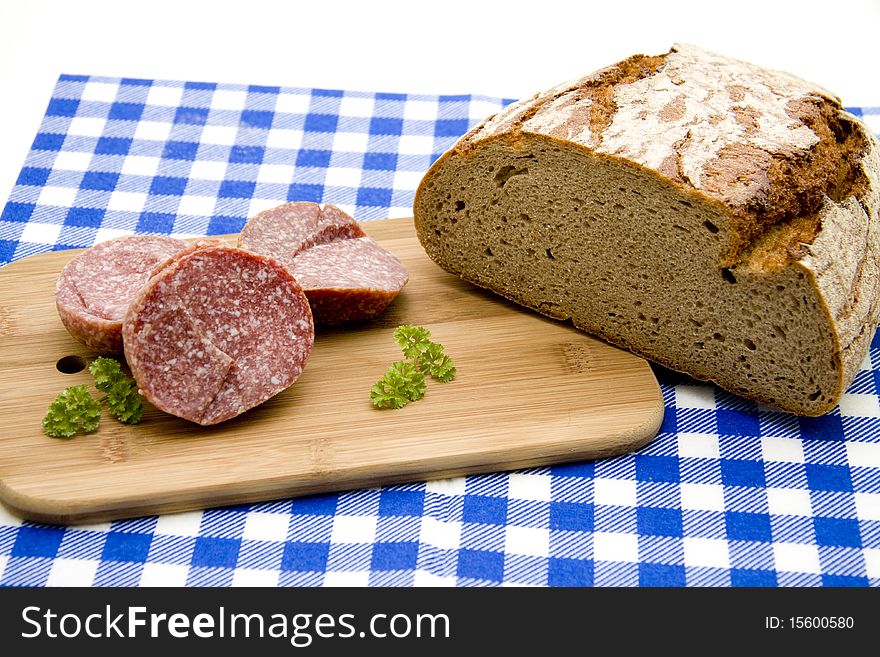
(348,280)
(334,225)
(289,229)
(345,275)
(217,331)
(94,290)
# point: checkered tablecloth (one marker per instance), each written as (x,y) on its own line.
(728,494)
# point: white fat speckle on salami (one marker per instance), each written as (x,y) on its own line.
(216,332)
(94,290)
(346,275)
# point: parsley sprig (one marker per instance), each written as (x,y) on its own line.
(401,384)
(74,410)
(404,380)
(123,400)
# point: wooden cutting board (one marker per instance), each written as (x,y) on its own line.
(530,391)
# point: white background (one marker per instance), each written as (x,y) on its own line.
(509,49)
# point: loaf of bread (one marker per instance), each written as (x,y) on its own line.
(713,216)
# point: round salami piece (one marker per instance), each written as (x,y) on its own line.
(289,229)
(94,290)
(334,225)
(217,331)
(348,280)
(345,274)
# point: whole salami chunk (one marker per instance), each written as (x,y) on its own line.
(94,290)
(217,331)
(345,275)
(348,280)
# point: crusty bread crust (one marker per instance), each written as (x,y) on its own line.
(785,181)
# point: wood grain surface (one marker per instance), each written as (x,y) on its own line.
(530,391)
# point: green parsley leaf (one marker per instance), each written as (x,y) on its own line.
(404,381)
(106,372)
(72,411)
(123,400)
(401,384)
(413,340)
(436,363)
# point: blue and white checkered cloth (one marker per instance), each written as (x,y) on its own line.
(729,493)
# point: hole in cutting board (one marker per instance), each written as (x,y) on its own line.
(70,364)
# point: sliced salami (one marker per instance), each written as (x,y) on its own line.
(285,231)
(94,290)
(345,275)
(217,331)
(333,226)
(348,280)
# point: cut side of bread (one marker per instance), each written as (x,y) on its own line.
(710,215)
